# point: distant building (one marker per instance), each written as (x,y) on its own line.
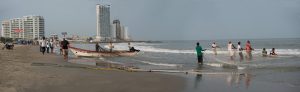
(103,22)
(118,29)
(113,30)
(27,27)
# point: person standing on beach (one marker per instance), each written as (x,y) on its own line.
(51,45)
(248,49)
(214,47)
(65,46)
(97,47)
(199,53)
(240,50)
(43,45)
(111,46)
(231,48)
(47,46)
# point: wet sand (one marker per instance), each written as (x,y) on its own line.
(25,69)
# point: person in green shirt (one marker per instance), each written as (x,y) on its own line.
(199,53)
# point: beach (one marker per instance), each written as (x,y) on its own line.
(25,69)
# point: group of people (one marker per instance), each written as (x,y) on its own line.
(232,49)
(265,53)
(100,49)
(48,45)
(8,46)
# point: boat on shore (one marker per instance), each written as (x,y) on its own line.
(89,53)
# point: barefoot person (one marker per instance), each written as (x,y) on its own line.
(231,48)
(199,53)
(240,50)
(248,49)
(65,46)
(214,47)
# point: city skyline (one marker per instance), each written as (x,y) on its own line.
(26,27)
(169,20)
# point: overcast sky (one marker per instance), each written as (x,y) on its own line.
(168,19)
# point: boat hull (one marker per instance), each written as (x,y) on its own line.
(88,53)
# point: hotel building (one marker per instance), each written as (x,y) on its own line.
(27,27)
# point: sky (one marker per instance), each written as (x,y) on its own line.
(168,19)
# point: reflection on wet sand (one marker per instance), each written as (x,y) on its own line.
(235,79)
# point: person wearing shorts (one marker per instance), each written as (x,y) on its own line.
(65,46)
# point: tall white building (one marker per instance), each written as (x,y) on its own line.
(27,27)
(103,22)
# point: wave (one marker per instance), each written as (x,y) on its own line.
(159,64)
(153,48)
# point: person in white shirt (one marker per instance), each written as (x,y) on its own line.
(231,48)
(51,45)
(214,47)
(47,46)
(240,51)
(43,45)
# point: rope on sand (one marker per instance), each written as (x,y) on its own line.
(132,69)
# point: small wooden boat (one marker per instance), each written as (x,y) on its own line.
(89,53)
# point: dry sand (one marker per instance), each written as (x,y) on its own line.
(24,69)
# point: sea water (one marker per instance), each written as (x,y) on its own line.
(181,56)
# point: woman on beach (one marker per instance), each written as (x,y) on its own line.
(248,49)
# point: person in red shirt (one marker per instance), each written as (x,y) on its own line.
(248,50)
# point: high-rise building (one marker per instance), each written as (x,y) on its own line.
(113,30)
(27,27)
(103,22)
(118,29)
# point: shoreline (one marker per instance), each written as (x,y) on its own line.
(25,69)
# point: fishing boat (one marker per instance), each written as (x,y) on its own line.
(89,53)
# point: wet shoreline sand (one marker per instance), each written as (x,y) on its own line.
(24,69)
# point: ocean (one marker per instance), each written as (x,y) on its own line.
(181,56)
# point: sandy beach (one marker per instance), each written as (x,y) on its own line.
(25,69)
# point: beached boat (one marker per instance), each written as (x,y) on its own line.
(89,53)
